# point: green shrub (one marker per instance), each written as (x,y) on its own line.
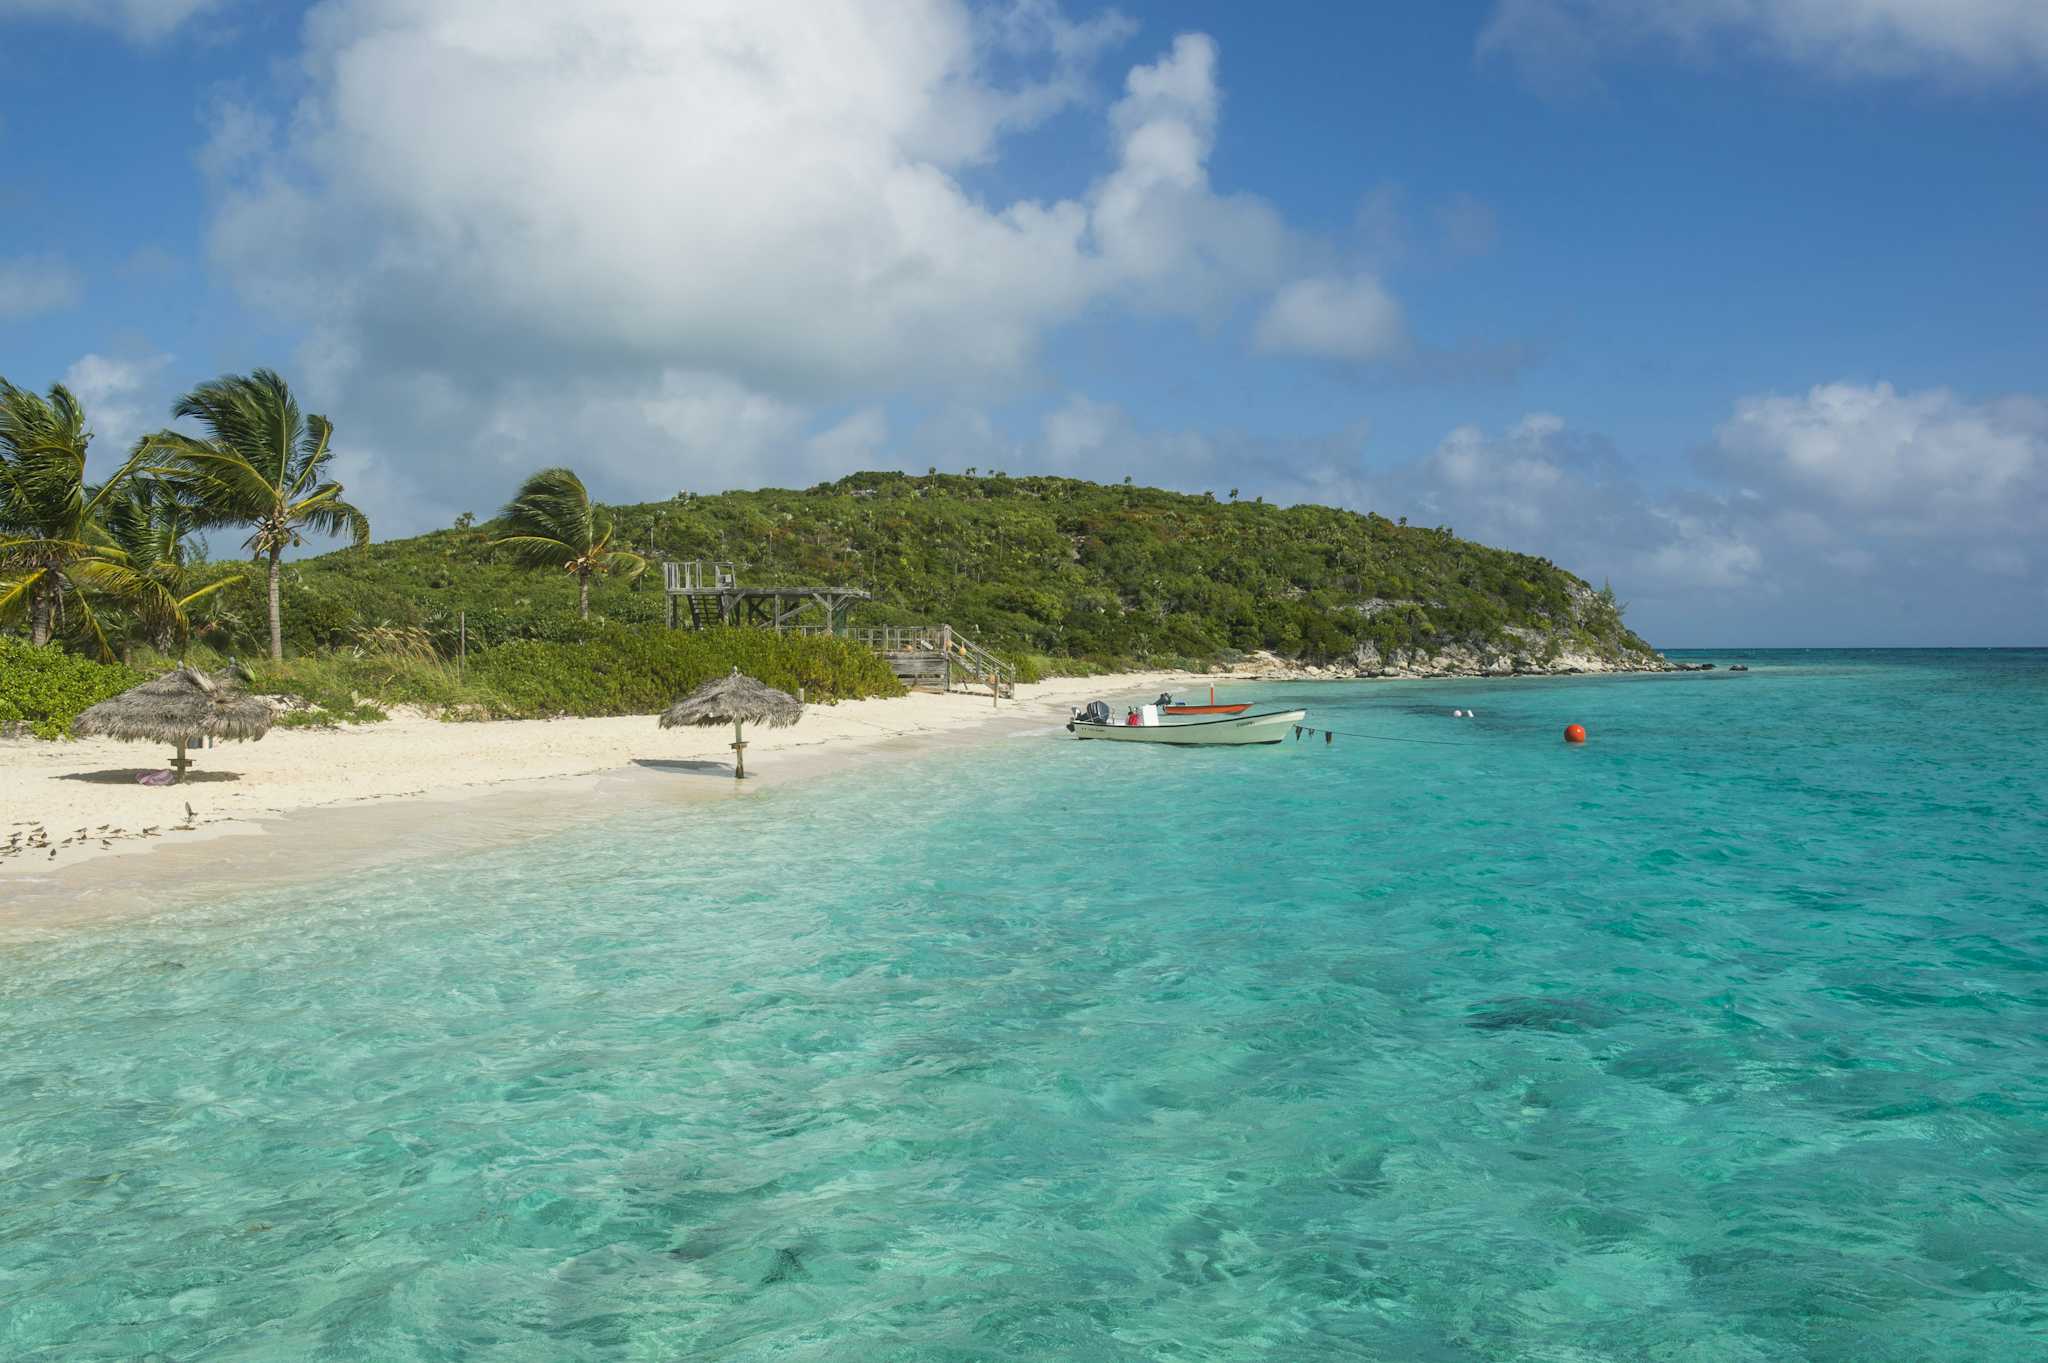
(48,688)
(624,671)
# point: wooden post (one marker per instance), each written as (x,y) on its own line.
(946,655)
(739,753)
(179,764)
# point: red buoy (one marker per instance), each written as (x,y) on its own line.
(1575,733)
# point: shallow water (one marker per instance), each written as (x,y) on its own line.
(1722,1038)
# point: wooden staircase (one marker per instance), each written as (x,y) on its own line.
(937,657)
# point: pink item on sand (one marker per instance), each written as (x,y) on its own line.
(154,778)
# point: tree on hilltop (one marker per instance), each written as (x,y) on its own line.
(551,523)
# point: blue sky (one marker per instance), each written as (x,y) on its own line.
(1739,306)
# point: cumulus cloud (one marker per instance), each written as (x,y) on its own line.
(1912,463)
(1829,517)
(769,190)
(142,21)
(1557,40)
(122,398)
(723,234)
(32,285)
(1336,318)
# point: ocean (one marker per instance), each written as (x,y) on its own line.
(1720,1039)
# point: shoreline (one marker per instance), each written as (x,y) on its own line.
(416,787)
(305,804)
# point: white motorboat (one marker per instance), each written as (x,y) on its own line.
(1229,731)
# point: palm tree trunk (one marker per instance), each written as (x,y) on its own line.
(39,612)
(583,595)
(276,619)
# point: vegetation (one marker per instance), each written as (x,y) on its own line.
(47,688)
(60,562)
(1056,574)
(262,464)
(547,610)
(551,524)
(612,670)
(152,525)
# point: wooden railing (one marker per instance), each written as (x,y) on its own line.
(958,658)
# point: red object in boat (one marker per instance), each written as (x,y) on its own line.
(1212,708)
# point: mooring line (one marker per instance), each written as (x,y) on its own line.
(1301,729)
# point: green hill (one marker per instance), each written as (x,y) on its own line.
(1053,572)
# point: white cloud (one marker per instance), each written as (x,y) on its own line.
(698,227)
(142,21)
(121,399)
(1556,40)
(768,190)
(1914,463)
(31,285)
(857,442)
(1849,514)
(1337,318)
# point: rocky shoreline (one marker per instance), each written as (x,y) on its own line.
(1455,661)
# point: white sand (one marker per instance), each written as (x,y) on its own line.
(84,799)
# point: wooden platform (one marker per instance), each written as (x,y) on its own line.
(710,594)
(937,658)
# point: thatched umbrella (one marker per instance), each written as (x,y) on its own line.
(735,700)
(182,706)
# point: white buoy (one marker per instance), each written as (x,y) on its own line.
(1471,714)
(1457,714)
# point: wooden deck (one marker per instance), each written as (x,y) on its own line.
(938,658)
(709,594)
(934,657)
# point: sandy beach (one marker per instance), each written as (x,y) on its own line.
(109,839)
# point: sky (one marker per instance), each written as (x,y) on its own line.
(1741,305)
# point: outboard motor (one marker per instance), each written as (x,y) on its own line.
(1165,699)
(1097,712)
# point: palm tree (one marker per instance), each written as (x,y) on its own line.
(151,525)
(264,464)
(551,523)
(53,541)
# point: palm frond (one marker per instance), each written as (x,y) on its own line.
(89,625)
(624,564)
(14,595)
(192,598)
(222,485)
(537,551)
(552,504)
(98,497)
(326,512)
(313,454)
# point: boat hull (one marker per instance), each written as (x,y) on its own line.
(1231,731)
(1205,709)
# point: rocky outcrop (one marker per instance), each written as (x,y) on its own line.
(1458,660)
(1592,640)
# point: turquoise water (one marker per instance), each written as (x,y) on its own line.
(1722,1038)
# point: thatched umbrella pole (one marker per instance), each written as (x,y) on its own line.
(181,707)
(737,700)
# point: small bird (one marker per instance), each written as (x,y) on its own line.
(189,815)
